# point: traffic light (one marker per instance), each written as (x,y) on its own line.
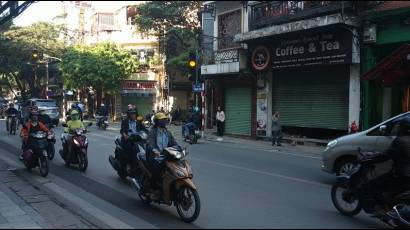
(34,54)
(192,62)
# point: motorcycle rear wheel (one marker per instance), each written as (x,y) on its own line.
(337,199)
(183,204)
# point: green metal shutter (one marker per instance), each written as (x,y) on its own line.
(238,111)
(312,98)
(144,104)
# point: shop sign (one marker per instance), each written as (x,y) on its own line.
(260,58)
(197,88)
(138,85)
(318,49)
(261,110)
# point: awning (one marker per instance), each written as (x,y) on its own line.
(393,69)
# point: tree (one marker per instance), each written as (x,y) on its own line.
(175,23)
(102,67)
(17,66)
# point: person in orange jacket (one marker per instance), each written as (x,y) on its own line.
(33,125)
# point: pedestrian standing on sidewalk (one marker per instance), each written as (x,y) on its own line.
(220,121)
(276,129)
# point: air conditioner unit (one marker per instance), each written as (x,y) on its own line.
(369,33)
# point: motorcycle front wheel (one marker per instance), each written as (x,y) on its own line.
(43,166)
(188,204)
(82,162)
(345,201)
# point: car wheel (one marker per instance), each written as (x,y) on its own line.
(345,165)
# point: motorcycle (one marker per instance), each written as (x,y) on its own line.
(176,188)
(12,124)
(102,122)
(51,138)
(349,196)
(79,149)
(193,136)
(120,161)
(36,155)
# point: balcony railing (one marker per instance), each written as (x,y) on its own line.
(278,12)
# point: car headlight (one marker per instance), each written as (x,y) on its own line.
(331,144)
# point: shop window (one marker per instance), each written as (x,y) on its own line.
(229,24)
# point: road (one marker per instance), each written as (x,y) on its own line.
(240,186)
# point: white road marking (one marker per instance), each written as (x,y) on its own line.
(264,173)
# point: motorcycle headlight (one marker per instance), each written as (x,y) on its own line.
(76,142)
(331,144)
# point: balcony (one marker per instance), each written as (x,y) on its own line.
(266,14)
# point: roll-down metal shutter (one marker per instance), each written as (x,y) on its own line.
(238,111)
(312,98)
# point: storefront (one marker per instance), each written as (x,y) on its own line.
(312,79)
(139,93)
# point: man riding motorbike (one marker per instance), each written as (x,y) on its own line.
(192,123)
(44,118)
(128,126)
(73,124)
(33,125)
(159,138)
(9,112)
(103,112)
(399,152)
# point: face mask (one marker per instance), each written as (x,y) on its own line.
(162,123)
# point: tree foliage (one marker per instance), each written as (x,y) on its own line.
(175,23)
(102,67)
(16,45)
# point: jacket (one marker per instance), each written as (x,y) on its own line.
(25,130)
(152,140)
(72,125)
(399,152)
(276,127)
(125,127)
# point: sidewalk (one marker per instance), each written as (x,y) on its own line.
(24,206)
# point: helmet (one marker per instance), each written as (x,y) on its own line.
(140,118)
(74,112)
(160,116)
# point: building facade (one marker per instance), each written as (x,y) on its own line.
(299,58)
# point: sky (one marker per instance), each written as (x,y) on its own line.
(47,10)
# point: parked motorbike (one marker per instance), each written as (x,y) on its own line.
(349,197)
(102,122)
(12,124)
(120,161)
(79,149)
(36,155)
(176,188)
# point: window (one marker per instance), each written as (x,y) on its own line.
(229,24)
(392,127)
(131,12)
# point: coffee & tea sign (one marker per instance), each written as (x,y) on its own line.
(325,48)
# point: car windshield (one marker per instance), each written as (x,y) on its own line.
(46,103)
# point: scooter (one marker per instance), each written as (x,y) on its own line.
(102,122)
(79,149)
(193,136)
(176,188)
(120,161)
(12,124)
(349,198)
(36,155)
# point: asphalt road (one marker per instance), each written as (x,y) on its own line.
(240,187)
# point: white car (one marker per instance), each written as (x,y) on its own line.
(340,154)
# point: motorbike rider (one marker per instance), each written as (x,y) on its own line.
(33,125)
(10,111)
(73,124)
(103,112)
(44,118)
(399,152)
(159,138)
(131,124)
(192,123)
